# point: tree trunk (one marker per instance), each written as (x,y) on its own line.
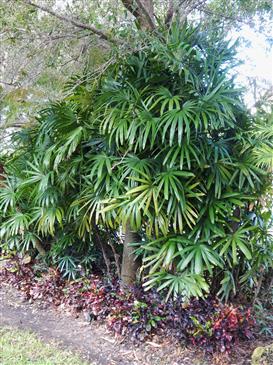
(129,263)
(39,247)
(143,10)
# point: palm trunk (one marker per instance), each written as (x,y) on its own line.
(129,263)
(143,10)
(39,247)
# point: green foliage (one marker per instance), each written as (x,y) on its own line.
(161,141)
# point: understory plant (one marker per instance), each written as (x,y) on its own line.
(159,145)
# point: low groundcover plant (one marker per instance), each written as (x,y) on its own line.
(135,314)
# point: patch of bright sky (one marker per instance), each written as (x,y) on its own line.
(61,4)
(257,58)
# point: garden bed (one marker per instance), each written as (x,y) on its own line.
(133,317)
(124,323)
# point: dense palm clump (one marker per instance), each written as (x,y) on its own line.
(158,143)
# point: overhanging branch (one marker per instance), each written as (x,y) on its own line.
(76,23)
(223,16)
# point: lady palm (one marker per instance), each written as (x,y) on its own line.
(165,148)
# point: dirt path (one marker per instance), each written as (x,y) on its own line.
(91,340)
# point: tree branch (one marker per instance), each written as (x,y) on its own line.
(76,23)
(170,13)
(14,125)
(14,84)
(188,6)
(199,4)
(226,17)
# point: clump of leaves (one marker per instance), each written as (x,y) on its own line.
(210,324)
(48,287)
(18,274)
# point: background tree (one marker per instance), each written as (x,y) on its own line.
(40,49)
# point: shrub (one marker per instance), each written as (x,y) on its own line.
(159,142)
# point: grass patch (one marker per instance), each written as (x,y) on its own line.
(18,347)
